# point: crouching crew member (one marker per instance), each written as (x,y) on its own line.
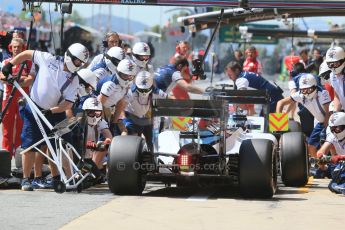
(317,101)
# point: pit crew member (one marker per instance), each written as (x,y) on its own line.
(317,102)
(245,80)
(336,139)
(167,77)
(139,100)
(12,122)
(54,91)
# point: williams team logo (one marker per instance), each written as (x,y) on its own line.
(95,102)
(130,66)
(304,81)
(144,82)
(331,53)
(145,48)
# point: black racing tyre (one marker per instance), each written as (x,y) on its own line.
(5,163)
(294,126)
(124,174)
(294,159)
(258,168)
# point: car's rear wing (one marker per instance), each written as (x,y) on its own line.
(246,97)
(243,96)
(189,108)
(195,108)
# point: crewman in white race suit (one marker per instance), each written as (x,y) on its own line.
(54,91)
(317,101)
(335,59)
(141,55)
(96,127)
(139,100)
(114,90)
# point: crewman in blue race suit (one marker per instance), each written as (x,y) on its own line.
(108,65)
(247,80)
(167,77)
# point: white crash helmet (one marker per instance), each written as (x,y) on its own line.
(76,51)
(139,49)
(113,57)
(144,83)
(308,80)
(126,67)
(337,119)
(92,103)
(88,77)
(334,54)
(324,70)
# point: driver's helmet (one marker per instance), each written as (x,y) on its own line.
(307,85)
(76,56)
(126,72)
(141,54)
(93,109)
(336,124)
(144,83)
(335,58)
(113,57)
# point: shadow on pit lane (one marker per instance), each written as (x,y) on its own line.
(211,192)
(101,189)
(316,186)
(214,193)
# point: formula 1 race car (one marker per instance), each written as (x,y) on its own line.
(214,146)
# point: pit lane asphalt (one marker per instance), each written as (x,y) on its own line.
(215,207)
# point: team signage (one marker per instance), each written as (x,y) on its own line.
(204,3)
(278,122)
(215,3)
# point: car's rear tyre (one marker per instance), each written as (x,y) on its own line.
(125,176)
(294,159)
(258,168)
(294,126)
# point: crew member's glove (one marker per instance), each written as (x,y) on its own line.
(7,70)
(335,159)
(91,145)
(103,145)
(47,112)
(107,141)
